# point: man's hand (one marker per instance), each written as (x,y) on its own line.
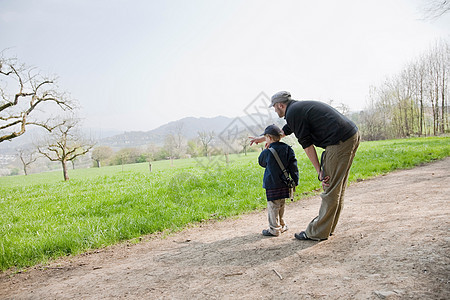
(256,140)
(324,179)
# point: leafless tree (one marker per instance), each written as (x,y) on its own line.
(434,9)
(25,95)
(193,148)
(413,102)
(206,137)
(437,62)
(178,138)
(174,142)
(419,79)
(129,156)
(171,146)
(66,143)
(243,142)
(343,108)
(372,121)
(27,157)
(101,153)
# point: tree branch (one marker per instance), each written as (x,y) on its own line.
(15,112)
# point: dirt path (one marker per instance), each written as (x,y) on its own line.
(392,242)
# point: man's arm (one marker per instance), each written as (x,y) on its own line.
(312,155)
(257,140)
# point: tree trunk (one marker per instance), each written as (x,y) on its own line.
(406,130)
(443,102)
(66,174)
(421,114)
(436,105)
(433,109)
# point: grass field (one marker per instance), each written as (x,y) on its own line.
(43,217)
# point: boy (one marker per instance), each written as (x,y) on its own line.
(274,180)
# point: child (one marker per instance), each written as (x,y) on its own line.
(274,180)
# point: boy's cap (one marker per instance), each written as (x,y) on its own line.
(272,130)
(282,96)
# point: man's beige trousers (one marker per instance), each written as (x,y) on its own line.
(337,162)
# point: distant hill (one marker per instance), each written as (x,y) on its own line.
(35,134)
(188,127)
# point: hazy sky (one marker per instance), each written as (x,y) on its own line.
(135,65)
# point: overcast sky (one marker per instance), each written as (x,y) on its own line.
(135,65)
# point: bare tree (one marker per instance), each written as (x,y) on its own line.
(65,144)
(193,147)
(101,153)
(419,78)
(25,94)
(206,138)
(434,9)
(343,108)
(438,68)
(178,138)
(243,142)
(129,156)
(414,102)
(442,50)
(27,157)
(170,145)
(373,123)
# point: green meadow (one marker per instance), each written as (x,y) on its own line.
(42,217)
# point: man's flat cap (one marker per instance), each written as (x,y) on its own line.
(282,96)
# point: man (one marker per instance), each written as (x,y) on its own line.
(317,124)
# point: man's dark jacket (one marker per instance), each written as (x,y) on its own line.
(317,123)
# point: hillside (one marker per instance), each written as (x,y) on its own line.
(188,128)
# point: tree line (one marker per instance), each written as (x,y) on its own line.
(413,102)
(206,144)
(176,146)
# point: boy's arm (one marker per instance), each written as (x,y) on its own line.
(261,158)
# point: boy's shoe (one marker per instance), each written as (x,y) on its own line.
(285,228)
(266,232)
